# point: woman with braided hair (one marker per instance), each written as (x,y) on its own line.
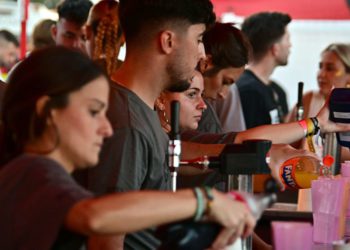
(104,34)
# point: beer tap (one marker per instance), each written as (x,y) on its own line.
(174,146)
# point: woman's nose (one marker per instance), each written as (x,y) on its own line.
(106,128)
(202,105)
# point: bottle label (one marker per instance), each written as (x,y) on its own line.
(287,172)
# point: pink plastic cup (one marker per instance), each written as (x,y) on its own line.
(329,204)
(292,235)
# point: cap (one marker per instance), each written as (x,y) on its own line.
(328,160)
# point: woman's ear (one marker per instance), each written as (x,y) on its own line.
(41,105)
(41,108)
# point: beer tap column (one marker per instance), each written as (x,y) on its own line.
(300,106)
(174,146)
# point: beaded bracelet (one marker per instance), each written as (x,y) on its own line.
(200,204)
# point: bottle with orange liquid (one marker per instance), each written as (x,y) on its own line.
(298,172)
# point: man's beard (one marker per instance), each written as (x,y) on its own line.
(283,61)
(176,84)
(179,86)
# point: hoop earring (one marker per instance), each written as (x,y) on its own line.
(165,117)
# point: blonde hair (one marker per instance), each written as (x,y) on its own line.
(104,20)
(342,50)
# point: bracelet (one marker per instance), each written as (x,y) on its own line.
(310,127)
(310,132)
(210,198)
(303,125)
(316,124)
(200,204)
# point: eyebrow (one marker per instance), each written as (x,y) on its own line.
(194,88)
(99,102)
(70,33)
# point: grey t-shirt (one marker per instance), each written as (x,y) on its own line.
(229,111)
(134,157)
(35,195)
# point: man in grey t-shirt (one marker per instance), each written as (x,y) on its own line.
(164,46)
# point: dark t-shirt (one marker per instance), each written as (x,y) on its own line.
(2,91)
(134,157)
(35,195)
(257,100)
(280,99)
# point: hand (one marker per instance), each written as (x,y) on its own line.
(234,216)
(328,126)
(279,153)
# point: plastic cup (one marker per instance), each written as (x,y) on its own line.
(292,235)
(329,204)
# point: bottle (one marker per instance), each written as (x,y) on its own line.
(298,172)
(256,203)
(190,235)
(345,173)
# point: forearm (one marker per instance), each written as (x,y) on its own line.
(191,150)
(277,133)
(127,212)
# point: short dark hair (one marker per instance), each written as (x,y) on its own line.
(227,46)
(52,71)
(9,37)
(263,29)
(42,35)
(140,17)
(75,11)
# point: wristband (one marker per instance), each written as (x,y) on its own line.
(316,124)
(200,204)
(210,198)
(303,125)
(310,132)
(310,127)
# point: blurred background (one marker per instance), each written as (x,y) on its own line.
(316,23)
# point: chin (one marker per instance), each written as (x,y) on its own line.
(88,163)
(195,126)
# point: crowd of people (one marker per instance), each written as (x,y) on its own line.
(84,136)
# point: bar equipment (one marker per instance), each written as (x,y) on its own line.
(174,146)
(300,106)
(243,160)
